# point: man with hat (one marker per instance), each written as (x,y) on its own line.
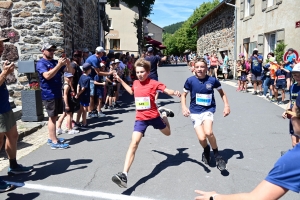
(256,69)
(154,60)
(85,54)
(8,125)
(289,63)
(95,61)
(50,72)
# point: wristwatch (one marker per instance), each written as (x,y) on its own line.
(213,197)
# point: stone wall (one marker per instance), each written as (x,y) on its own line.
(30,23)
(217,32)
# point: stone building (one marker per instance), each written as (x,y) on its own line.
(68,24)
(216,31)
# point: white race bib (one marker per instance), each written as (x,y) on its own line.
(203,99)
(281,77)
(142,103)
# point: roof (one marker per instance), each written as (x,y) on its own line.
(211,12)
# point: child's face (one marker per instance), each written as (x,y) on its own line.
(141,73)
(88,71)
(296,76)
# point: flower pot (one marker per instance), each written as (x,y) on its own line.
(32,106)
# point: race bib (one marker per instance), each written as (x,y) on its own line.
(203,99)
(281,77)
(142,103)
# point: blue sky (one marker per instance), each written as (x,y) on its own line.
(167,12)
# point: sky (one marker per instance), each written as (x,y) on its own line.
(167,12)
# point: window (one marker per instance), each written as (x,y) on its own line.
(114,44)
(110,24)
(80,17)
(270,3)
(115,5)
(252,45)
(271,42)
(247,8)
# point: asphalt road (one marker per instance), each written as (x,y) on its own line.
(166,168)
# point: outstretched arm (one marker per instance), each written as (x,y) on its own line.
(127,87)
(172,92)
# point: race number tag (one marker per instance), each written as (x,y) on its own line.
(142,103)
(203,99)
(281,77)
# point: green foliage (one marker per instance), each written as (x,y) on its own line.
(186,37)
(173,27)
(279,51)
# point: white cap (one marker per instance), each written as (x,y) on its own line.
(296,68)
(100,49)
(102,65)
(255,49)
(117,61)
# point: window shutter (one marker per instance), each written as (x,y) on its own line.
(260,43)
(264,5)
(280,35)
(278,2)
(252,8)
(242,6)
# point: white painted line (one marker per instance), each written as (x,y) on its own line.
(83,193)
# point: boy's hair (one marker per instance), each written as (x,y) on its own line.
(201,60)
(143,63)
(239,61)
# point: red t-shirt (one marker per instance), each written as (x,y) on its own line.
(144,95)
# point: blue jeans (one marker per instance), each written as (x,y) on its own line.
(266,85)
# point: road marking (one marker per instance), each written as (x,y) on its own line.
(84,193)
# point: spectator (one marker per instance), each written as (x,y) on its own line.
(273,68)
(267,78)
(8,125)
(239,69)
(256,69)
(75,64)
(50,73)
(85,54)
(214,63)
(225,66)
(289,63)
(99,85)
(280,82)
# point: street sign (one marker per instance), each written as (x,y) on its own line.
(298,24)
(286,54)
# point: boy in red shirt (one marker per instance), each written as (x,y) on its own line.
(144,91)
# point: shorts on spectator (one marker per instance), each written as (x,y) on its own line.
(142,125)
(272,81)
(84,104)
(54,107)
(7,121)
(198,119)
(213,67)
(256,77)
(100,93)
(281,86)
(243,78)
(225,70)
(92,88)
(71,108)
(110,91)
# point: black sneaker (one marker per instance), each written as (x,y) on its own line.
(117,105)
(111,107)
(255,93)
(206,157)
(120,179)
(220,162)
(168,111)
(90,115)
(105,106)
(260,93)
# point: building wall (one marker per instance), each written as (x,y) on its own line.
(216,33)
(122,27)
(279,19)
(156,30)
(30,23)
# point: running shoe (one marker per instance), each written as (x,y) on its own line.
(220,162)
(167,111)
(255,93)
(19,170)
(49,141)
(260,93)
(279,102)
(111,107)
(105,106)
(206,157)
(116,105)
(120,179)
(101,114)
(72,132)
(84,126)
(59,131)
(90,115)
(59,145)
(4,187)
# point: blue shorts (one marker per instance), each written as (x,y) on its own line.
(142,125)
(280,86)
(92,88)
(153,77)
(100,93)
(243,78)
(84,104)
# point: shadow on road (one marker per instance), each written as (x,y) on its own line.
(164,103)
(29,196)
(50,168)
(89,137)
(171,160)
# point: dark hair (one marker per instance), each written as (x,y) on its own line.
(291,49)
(271,53)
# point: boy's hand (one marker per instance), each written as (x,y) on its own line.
(284,115)
(226,111)
(177,93)
(186,112)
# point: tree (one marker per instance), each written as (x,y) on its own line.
(144,7)
(279,51)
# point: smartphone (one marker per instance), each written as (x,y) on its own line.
(63,55)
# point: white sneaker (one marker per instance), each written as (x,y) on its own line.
(59,131)
(101,114)
(72,132)
(249,85)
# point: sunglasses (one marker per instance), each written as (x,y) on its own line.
(50,50)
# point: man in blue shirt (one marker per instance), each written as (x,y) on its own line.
(284,176)
(8,125)
(256,69)
(50,72)
(202,108)
(95,61)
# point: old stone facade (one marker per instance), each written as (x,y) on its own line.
(68,24)
(216,31)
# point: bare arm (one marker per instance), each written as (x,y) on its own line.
(69,68)
(295,121)
(226,110)
(50,74)
(97,83)
(172,92)
(185,110)
(100,73)
(164,58)
(127,87)
(264,191)
(7,69)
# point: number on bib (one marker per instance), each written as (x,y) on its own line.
(203,99)
(142,103)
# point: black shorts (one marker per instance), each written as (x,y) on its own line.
(281,86)
(54,107)
(110,91)
(71,107)
(272,81)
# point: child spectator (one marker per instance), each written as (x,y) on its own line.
(239,72)
(273,68)
(99,85)
(83,93)
(111,88)
(280,82)
(248,69)
(68,105)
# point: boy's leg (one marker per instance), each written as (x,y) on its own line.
(275,93)
(282,94)
(84,112)
(99,104)
(79,113)
(60,120)
(69,120)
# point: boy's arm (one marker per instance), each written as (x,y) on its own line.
(81,91)
(185,110)
(226,110)
(172,92)
(127,87)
